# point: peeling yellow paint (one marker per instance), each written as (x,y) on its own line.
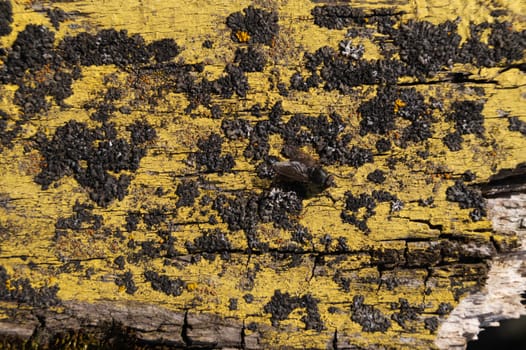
(29,220)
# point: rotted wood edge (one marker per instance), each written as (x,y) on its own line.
(501,298)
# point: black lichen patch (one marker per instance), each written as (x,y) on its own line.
(337,17)
(211,243)
(81,218)
(502,47)
(467,117)
(353,206)
(515,124)
(232,304)
(467,197)
(323,133)
(380,114)
(6,17)
(282,304)
(342,73)
(235,129)
(133,218)
(246,210)
(453,141)
(209,155)
(120,262)
(126,280)
(377,176)
(21,291)
(106,47)
(74,144)
(383,145)
(165,284)
(250,60)
(164,49)
(34,66)
(431,323)
(32,49)
(234,81)
(56,16)
(406,313)
(370,318)
(187,191)
(240,212)
(7,134)
(277,206)
(253,25)
(425,47)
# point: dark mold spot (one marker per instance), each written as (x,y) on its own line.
(126,280)
(377,114)
(468,176)
(282,304)
(32,49)
(141,132)
(163,283)
(155,217)
(370,318)
(187,191)
(7,135)
(277,205)
(240,212)
(467,198)
(503,44)
(21,291)
(254,26)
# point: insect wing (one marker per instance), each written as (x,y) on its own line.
(292,171)
(297,155)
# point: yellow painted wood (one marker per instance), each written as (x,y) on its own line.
(28,217)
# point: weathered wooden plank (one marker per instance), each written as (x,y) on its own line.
(138,188)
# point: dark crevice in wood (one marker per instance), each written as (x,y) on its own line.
(335,340)
(184,331)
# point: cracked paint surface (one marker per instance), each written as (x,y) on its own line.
(137,162)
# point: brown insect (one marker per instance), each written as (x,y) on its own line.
(302,168)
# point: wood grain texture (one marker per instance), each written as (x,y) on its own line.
(138,202)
